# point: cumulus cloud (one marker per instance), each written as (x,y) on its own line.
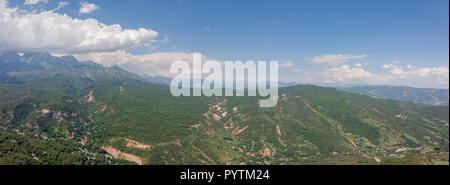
(33,2)
(61,5)
(347,74)
(286,64)
(439,75)
(332,59)
(88,7)
(59,33)
(436,77)
(357,65)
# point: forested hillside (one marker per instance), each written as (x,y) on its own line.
(83,110)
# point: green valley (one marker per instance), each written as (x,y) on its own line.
(83,113)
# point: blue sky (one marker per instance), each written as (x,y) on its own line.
(292,30)
(397,38)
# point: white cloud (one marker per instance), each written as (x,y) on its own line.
(88,7)
(286,64)
(436,77)
(331,59)
(150,64)
(62,4)
(155,64)
(3,4)
(387,66)
(33,2)
(357,65)
(347,74)
(441,74)
(59,33)
(159,64)
(207,28)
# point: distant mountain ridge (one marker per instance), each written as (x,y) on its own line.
(407,94)
(17,68)
(157,79)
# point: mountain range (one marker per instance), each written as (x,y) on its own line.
(407,94)
(56,110)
